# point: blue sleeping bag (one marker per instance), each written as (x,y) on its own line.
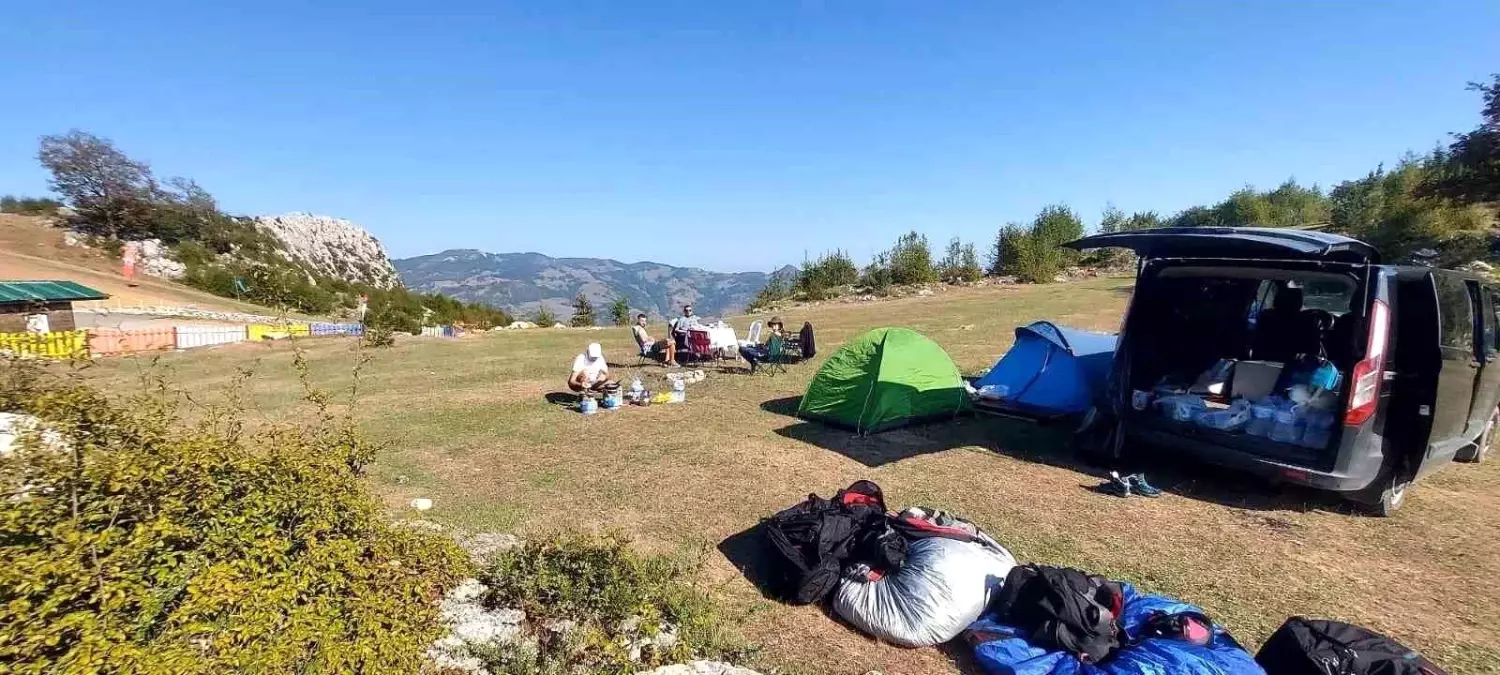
(1000,652)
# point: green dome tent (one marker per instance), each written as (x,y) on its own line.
(886,378)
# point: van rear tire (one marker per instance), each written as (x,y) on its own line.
(1392,495)
(1476,453)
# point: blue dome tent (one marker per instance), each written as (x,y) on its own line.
(1051,371)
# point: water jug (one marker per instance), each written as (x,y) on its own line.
(1262,420)
(588,405)
(1318,430)
(1285,428)
(679,391)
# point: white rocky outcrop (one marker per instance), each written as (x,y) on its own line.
(333,247)
(155,259)
(470,625)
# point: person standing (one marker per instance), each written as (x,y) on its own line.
(128,260)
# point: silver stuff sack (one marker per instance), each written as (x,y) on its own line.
(943,587)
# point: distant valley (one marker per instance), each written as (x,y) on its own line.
(521,283)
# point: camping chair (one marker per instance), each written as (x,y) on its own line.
(699,347)
(753,335)
(775,355)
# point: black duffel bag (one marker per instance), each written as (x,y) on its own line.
(1321,647)
(811,542)
(1063,608)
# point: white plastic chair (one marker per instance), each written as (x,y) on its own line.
(753,336)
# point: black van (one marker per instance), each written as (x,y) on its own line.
(1416,349)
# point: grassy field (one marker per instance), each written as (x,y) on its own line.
(468,423)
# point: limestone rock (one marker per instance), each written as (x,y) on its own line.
(470,623)
(156,260)
(700,668)
(484,546)
(333,247)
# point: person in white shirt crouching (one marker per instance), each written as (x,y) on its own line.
(590,371)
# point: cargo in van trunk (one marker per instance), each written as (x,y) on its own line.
(1273,327)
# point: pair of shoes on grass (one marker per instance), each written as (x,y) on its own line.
(1133,484)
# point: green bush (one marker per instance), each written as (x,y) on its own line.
(29,206)
(911,260)
(826,277)
(145,545)
(773,292)
(876,277)
(961,263)
(612,594)
(379,336)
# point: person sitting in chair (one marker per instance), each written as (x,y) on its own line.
(681,325)
(757,352)
(661,350)
(590,371)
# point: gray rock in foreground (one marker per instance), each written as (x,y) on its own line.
(700,668)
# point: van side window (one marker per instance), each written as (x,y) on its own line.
(1492,325)
(1456,312)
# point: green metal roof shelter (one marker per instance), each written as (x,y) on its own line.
(46,291)
(884,379)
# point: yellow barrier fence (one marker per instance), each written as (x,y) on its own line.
(54,345)
(256,332)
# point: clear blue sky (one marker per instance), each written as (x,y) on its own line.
(735,136)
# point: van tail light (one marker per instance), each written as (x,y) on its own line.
(1369,372)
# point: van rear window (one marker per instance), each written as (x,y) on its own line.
(1331,297)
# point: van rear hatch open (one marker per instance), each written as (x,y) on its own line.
(1247,243)
(1209,294)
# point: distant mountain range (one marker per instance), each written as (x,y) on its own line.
(521,283)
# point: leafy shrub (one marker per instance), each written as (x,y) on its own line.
(773,292)
(911,260)
(823,278)
(612,594)
(545,317)
(1392,211)
(29,206)
(379,336)
(961,263)
(876,277)
(1033,253)
(146,545)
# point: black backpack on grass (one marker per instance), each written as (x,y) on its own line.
(1063,608)
(811,542)
(1318,647)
